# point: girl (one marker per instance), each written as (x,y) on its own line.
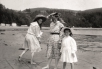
(68,49)
(32,39)
(53,51)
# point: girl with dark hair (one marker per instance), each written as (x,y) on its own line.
(32,38)
(70,32)
(68,49)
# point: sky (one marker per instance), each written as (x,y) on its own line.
(59,4)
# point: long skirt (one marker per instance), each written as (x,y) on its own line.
(53,47)
(32,43)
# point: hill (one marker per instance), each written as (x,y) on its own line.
(87,18)
(92,10)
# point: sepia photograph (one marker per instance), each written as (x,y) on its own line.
(50,34)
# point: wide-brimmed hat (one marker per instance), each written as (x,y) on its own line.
(40,17)
(57,14)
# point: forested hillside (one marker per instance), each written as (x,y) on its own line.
(87,18)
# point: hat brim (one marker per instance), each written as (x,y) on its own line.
(57,14)
(37,18)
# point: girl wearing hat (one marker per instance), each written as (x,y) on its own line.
(32,38)
(53,51)
(68,49)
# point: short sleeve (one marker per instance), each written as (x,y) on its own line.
(61,25)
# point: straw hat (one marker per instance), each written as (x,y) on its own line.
(40,17)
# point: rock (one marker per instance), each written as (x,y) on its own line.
(21,48)
(13,34)
(2,33)
(2,30)
(94,68)
(6,45)
(29,62)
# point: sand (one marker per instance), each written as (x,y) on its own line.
(11,39)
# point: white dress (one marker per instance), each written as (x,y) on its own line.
(68,47)
(31,42)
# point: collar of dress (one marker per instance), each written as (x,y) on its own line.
(34,23)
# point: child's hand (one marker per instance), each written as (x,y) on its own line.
(73,55)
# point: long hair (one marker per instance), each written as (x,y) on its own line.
(40,25)
(67,29)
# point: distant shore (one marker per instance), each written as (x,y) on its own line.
(81,31)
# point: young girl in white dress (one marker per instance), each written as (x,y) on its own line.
(32,38)
(68,49)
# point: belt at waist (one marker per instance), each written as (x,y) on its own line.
(55,33)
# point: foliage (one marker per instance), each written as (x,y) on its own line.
(8,16)
(87,18)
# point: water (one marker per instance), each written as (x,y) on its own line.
(87,31)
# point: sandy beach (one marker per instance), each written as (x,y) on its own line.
(11,39)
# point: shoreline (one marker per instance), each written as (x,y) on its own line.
(79,31)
